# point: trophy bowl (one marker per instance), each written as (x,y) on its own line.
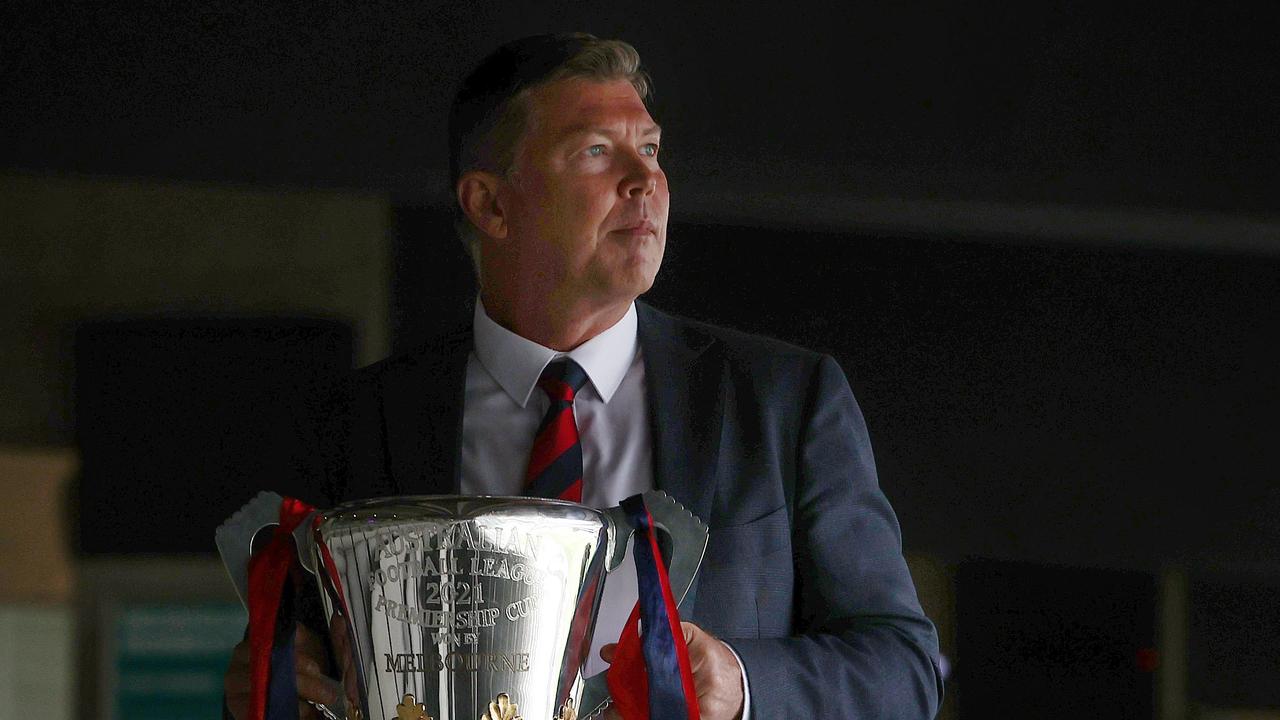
(446,605)
(456,607)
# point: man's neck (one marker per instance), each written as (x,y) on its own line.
(561,327)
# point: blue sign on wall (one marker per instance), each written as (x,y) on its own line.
(170,659)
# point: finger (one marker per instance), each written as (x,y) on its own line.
(318,688)
(235,683)
(608,651)
(308,642)
(695,639)
(314,688)
(307,665)
(236,686)
(339,637)
(240,653)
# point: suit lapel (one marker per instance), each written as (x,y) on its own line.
(422,409)
(684,374)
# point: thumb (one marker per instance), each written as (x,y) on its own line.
(691,632)
(608,651)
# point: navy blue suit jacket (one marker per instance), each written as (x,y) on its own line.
(803,575)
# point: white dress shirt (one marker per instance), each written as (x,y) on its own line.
(503,408)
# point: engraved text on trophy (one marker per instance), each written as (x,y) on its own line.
(469,579)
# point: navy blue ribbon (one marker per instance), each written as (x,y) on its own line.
(670,687)
(282,685)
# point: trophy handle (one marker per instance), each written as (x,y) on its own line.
(304,539)
(687,536)
(619,536)
(682,538)
(235,539)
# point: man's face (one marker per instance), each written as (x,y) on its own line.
(586,203)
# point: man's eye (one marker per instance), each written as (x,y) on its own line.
(650,149)
(595,151)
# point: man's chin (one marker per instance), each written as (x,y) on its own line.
(641,279)
(625,290)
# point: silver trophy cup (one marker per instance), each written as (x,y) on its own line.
(454,607)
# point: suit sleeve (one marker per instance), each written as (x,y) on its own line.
(862,647)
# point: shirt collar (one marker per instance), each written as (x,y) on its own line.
(516,363)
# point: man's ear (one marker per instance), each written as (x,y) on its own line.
(478,198)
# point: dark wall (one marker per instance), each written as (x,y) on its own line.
(1076,643)
(1087,102)
(182,420)
(1234,637)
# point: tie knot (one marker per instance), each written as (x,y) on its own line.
(562,379)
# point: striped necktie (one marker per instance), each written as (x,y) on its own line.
(555,462)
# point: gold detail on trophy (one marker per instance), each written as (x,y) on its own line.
(501,709)
(408,709)
(567,712)
(353,712)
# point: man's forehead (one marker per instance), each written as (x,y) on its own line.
(609,126)
(580,105)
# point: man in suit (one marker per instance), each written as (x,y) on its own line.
(804,606)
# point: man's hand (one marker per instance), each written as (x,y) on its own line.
(313,684)
(717,677)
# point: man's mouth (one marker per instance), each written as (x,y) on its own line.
(643,227)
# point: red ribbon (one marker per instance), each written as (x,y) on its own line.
(628,682)
(628,676)
(268,569)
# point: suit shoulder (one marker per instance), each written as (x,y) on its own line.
(433,354)
(743,348)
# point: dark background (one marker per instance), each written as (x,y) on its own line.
(1041,239)
(1133,104)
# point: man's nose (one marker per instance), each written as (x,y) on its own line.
(642,180)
